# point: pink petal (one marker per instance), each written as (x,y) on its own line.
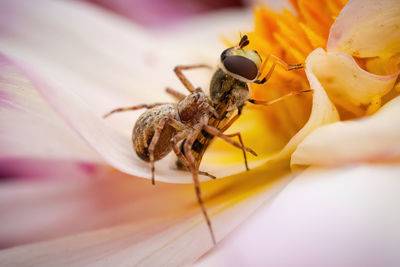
(367,28)
(96,62)
(345,217)
(124,221)
(160,12)
(28,168)
(375,138)
(29,126)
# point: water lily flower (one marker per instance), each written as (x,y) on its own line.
(78,199)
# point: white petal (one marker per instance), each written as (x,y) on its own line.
(345,217)
(375,138)
(29,126)
(322,112)
(345,82)
(96,62)
(367,28)
(141,224)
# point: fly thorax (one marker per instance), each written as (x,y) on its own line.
(220,86)
(240,95)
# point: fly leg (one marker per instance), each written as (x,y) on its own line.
(267,103)
(148,106)
(285,65)
(226,127)
(207,174)
(192,168)
(275,61)
(214,131)
(230,122)
(241,142)
(182,77)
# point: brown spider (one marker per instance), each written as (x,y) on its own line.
(196,119)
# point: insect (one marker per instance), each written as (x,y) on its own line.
(196,119)
(229,90)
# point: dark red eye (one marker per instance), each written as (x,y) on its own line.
(241,66)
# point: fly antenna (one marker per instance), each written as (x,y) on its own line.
(244,41)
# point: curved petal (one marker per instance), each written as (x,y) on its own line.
(375,138)
(343,217)
(367,28)
(123,220)
(29,126)
(322,112)
(96,62)
(345,82)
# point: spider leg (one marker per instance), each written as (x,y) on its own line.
(182,77)
(179,96)
(174,142)
(192,167)
(154,140)
(148,106)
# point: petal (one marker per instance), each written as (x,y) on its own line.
(367,28)
(346,84)
(343,217)
(375,138)
(123,220)
(29,126)
(96,62)
(39,168)
(322,112)
(160,12)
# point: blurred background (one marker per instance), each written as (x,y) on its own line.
(169,13)
(157,13)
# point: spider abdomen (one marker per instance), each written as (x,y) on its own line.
(145,127)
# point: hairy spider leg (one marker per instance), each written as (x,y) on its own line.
(182,77)
(148,106)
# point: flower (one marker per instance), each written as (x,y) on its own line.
(345,216)
(94,214)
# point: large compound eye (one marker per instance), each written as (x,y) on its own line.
(241,66)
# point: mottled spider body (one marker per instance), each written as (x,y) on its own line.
(145,127)
(174,117)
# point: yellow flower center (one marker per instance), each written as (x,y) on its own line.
(291,38)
